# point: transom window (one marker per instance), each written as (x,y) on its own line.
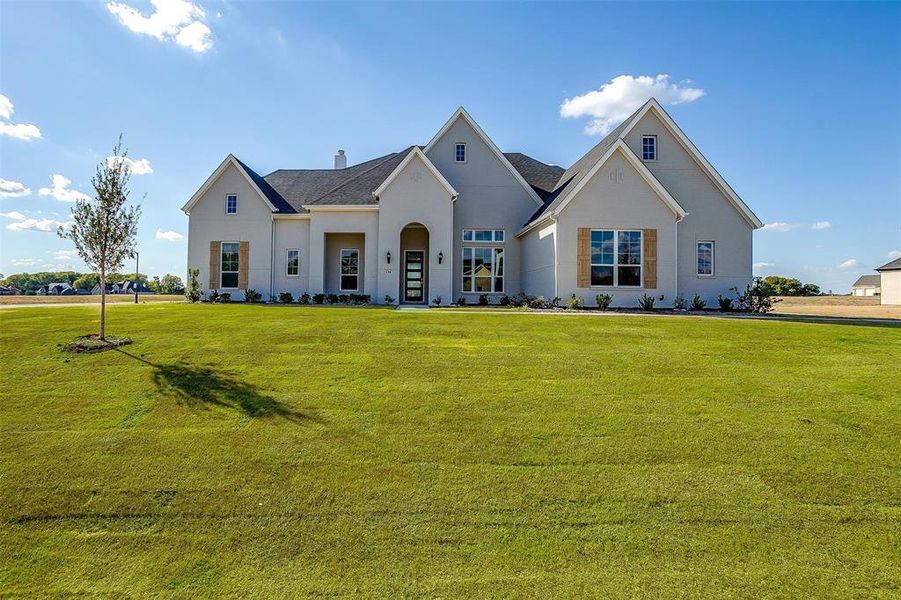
(292,268)
(483,269)
(705,259)
(460,152)
(483,235)
(350,269)
(649,147)
(228,271)
(615,258)
(231,204)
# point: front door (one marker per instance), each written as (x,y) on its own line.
(413,276)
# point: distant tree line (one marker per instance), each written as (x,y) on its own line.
(30,283)
(789,286)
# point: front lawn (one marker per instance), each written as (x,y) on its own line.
(285,451)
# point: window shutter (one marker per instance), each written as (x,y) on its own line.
(243,256)
(650,258)
(215,248)
(583,257)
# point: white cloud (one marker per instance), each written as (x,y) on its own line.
(851,263)
(20,131)
(61,190)
(621,96)
(894,254)
(764,265)
(136,167)
(6,107)
(172,236)
(37,225)
(177,21)
(12,189)
(65,254)
(821,225)
(16,216)
(778,226)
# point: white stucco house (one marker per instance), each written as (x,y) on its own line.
(890,282)
(643,211)
(866,286)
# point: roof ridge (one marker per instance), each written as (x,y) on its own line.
(361,173)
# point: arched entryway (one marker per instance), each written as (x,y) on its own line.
(414,264)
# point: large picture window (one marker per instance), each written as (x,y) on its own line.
(229,265)
(350,269)
(483,269)
(292,268)
(705,259)
(615,258)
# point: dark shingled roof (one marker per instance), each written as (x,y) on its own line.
(272,195)
(895,265)
(867,281)
(542,177)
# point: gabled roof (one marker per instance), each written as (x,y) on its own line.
(542,177)
(271,198)
(895,265)
(867,281)
(461,113)
(415,152)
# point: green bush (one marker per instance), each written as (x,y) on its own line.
(332,298)
(604,301)
(286,297)
(725,303)
(214,296)
(521,299)
(318,298)
(483,300)
(304,298)
(537,302)
(461,301)
(225,298)
(646,302)
(574,302)
(697,303)
(252,295)
(436,300)
(757,297)
(192,293)
(554,302)
(505,300)
(679,303)
(389,299)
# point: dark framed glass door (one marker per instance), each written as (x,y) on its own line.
(414,282)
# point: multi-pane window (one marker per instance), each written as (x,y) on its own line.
(231,204)
(649,147)
(460,152)
(350,270)
(483,235)
(229,265)
(705,259)
(293,265)
(615,258)
(483,269)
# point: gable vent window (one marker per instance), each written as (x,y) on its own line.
(231,204)
(649,147)
(460,152)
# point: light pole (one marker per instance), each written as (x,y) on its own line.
(137,258)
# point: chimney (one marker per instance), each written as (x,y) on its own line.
(340,160)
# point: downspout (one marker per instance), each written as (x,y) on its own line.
(556,259)
(271,258)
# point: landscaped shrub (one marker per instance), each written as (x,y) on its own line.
(697,303)
(286,297)
(192,293)
(318,298)
(521,299)
(483,300)
(332,298)
(554,302)
(214,296)
(757,297)
(679,303)
(304,298)
(646,302)
(505,300)
(359,298)
(436,300)
(389,299)
(343,299)
(252,295)
(604,301)
(725,303)
(225,298)
(461,301)
(537,302)
(574,302)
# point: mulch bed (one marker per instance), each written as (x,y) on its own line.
(87,344)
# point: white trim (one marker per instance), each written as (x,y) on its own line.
(649,135)
(727,190)
(341,207)
(460,162)
(616,264)
(340,274)
(548,216)
(290,217)
(229,160)
(712,258)
(437,174)
(461,113)
(425,299)
(221,272)
(226,203)
(493,239)
(288,261)
(494,274)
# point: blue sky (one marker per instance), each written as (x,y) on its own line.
(800,111)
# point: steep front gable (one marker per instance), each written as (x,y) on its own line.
(257,184)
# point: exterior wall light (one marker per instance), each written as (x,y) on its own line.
(440,257)
(388,256)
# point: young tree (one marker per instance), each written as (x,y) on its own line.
(103,229)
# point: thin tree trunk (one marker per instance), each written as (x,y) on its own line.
(102,305)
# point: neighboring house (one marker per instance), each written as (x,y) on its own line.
(9,291)
(866,285)
(641,212)
(890,276)
(57,289)
(122,287)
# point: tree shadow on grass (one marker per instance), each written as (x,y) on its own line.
(201,387)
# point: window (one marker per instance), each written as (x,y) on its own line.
(483,269)
(705,259)
(231,204)
(615,258)
(460,152)
(483,235)
(649,147)
(350,269)
(229,266)
(292,268)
